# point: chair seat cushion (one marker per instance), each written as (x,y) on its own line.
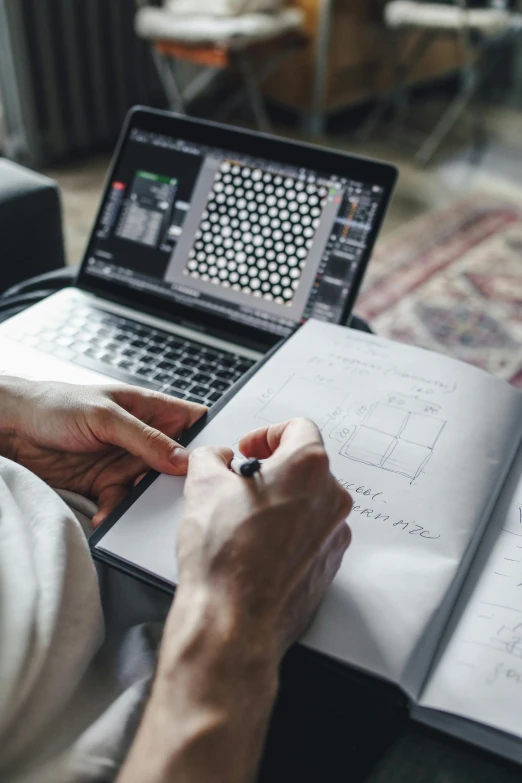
(406,13)
(221,7)
(159,24)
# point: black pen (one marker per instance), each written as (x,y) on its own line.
(245,467)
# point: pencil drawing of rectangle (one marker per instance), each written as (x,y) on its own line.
(301,397)
(407,458)
(386,418)
(422,430)
(369,446)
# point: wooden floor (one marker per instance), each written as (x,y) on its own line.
(452,174)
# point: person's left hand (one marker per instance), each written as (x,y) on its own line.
(96,441)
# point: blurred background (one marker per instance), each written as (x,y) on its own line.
(434,87)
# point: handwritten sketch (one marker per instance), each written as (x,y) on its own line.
(508,638)
(398,435)
(312,398)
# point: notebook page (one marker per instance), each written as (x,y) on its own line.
(480,673)
(418,439)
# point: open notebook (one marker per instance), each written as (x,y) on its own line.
(429,595)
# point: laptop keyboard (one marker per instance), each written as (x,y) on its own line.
(135,353)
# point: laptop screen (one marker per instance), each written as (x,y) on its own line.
(241,237)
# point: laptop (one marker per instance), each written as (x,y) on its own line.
(211,244)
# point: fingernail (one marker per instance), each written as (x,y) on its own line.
(179,457)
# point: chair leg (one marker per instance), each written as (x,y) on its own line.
(255,96)
(448,119)
(397,97)
(201,82)
(315,120)
(167,76)
(479,131)
(241,95)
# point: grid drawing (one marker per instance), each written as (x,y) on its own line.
(394,439)
(256,232)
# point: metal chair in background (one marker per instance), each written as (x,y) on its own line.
(252,52)
(481,33)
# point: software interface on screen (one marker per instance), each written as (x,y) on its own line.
(245,238)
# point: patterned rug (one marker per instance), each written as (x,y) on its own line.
(451,281)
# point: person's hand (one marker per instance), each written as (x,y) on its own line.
(96,441)
(269,545)
(255,557)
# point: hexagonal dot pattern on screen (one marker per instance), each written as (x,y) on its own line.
(256,232)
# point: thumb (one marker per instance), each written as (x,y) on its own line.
(156,449)
(207,461)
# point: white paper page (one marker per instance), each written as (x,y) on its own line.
(418,439)
(480,673)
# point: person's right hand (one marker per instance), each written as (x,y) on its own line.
(268,546)
(255,557)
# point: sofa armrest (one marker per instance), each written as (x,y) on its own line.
(31,239)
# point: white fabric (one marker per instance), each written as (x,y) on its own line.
(221,7)
(156,23)
(63,716)
(406,13)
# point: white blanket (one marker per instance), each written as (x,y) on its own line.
(64,717)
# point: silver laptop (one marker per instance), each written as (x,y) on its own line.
(211,244)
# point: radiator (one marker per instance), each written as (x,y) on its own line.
(69,71)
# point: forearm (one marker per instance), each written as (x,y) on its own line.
(211,701)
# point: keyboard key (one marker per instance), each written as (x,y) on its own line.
(163,377)
(130,352)
(166,366)
(227,375)
(193,350)
(173,354)
(199,391)
(244,365)
(227,361)
(92,352)
(214,397)
(184,372)
(126,364)
(212,355)
(112,320)
(175,342)
(65,342)
(191,398)
(82,347)
(219,385)
(180,383)
(145,371)
(138,342)
(190,362)
(173,392)
(154,349)
(202,378)
(48,335)
(140,332)
(155,337)
(147,359)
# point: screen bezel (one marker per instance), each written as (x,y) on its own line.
(287,152)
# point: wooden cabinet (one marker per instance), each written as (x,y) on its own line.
(359,60)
